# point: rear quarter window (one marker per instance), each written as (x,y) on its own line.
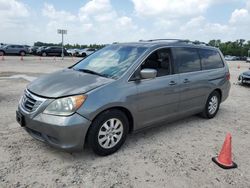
(188,59)
(210,59)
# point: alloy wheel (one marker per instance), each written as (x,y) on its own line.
(110,133)
(213,105)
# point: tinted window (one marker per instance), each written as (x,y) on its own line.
(159,60)
(188,60)
(210,59)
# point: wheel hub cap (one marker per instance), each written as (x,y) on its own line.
(213,105)
(110,133)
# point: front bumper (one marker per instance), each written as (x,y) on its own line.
(244,78)
(67,133)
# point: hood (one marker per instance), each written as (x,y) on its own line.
(247,73)
(66,82)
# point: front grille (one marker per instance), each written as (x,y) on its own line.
(30,102)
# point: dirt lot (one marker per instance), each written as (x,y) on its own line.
(173,155)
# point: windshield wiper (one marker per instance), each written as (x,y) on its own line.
(91,72)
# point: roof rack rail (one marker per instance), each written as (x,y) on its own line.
(152,40)
(177,40)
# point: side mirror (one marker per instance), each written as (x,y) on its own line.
(148,73)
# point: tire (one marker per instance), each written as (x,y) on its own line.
(2,53)
(101,134)
(84,55)
(212,105)
(44,54)
(22,53)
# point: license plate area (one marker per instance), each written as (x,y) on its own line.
(20,119)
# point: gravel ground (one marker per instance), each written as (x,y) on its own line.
(173,155)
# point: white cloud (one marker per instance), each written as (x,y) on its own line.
(97,21)
(12,13)
(13,9)
(50,12)
(170,8)
(97,10)
(239,16)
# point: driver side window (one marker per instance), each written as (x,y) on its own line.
(160,60)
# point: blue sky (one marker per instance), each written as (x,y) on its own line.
(106,21)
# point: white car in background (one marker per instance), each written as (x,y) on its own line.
(73,52)
(86,52)
(230,58)
(248,59)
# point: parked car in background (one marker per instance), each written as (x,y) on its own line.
(13,49)
(230,58)
(123,88)
(33,49)
(86,52)
(244,77)
(243,58)
(52,51)
(73,52)
(40,49)
(2,44)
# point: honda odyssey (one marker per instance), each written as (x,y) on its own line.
(123,88)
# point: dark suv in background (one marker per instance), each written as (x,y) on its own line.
(13,49)
(52,51)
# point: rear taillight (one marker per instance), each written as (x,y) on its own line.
(228,76)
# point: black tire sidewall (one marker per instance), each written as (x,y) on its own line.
(214,93)
(22,53)
(96,125)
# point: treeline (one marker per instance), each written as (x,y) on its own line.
(237,48)
(68,46)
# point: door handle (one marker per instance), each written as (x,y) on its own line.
(172,83)
(186,81)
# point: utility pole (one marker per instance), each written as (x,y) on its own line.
(62,32)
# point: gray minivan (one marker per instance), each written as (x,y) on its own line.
(124,88)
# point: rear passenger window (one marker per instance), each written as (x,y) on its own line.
(210,59)
(188,60)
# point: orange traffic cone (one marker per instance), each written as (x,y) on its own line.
(224,160)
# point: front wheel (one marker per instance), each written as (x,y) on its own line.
(212,105)
(108,132)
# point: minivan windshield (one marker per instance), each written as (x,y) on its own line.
(111,61)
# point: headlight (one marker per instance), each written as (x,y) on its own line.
(65,106)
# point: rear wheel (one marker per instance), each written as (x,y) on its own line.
(22,53)
(212,105)
(44,54)
(108,132)
(2,53)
